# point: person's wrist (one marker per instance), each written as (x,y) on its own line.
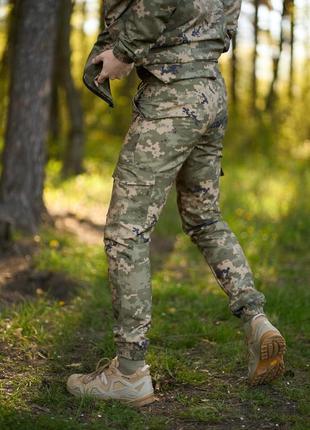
(121,56)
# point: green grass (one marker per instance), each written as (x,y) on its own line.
(197,352)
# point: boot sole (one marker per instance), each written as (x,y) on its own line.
(150,398)
(146,400)
(271,363)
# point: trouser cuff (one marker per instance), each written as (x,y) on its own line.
(247,305)
(132,351)
(249,313)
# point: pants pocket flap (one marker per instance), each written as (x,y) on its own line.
(133,175)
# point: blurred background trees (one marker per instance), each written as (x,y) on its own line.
(48,118)
(64,83)
(29,62)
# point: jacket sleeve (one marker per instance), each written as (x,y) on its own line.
(232,12)
(143,22)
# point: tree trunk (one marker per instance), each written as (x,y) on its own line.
(11,31)
(21,186)
(254,58)
(7,56)
(54,110)
(272,90)
(73,160)
(292,41)
(306,46)
(233,69)
(101,15)
(82,34)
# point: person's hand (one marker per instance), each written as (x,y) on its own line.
(112,67)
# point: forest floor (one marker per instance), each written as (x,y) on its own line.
(56,315)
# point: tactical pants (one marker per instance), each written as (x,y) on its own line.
(176,136)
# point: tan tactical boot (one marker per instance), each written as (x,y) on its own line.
(107,382)
(266,347)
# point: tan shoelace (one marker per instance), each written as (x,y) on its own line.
(100,369)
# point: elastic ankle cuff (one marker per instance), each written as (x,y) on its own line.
(133,351)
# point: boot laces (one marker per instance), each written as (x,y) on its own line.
(106,368)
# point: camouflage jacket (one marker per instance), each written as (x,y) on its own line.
(173,39)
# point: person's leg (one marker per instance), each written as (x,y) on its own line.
(153,152)
(198,202)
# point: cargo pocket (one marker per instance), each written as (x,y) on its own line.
(133,194)
(133,175)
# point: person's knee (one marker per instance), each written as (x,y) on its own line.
(125,241)
(198,207)
(201,221)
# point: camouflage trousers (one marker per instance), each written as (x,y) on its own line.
(176,136)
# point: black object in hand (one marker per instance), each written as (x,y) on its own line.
(91,71)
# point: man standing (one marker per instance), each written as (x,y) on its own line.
(179,121)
